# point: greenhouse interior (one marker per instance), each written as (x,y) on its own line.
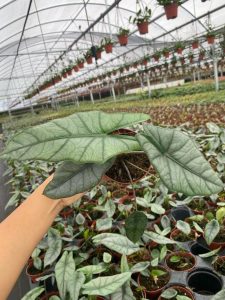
(112,137)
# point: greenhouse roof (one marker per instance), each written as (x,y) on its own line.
(34,34)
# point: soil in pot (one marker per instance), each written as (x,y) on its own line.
(180,261)
(154,284)
(198,205)
(219,265)
(139,293)
(137,164)
(142,255)
(179,236)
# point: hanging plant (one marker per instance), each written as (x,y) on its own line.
(145,60)
(107,44)
(88,57)
(157,55)
(142,19)
(182,60)
(76,68)
(99,50)
(123,36)
(80,63)
(166,52)
(170,7)
(191,57)
(210,35)
(179,47)
(201,54)
(195,44)
(174,61)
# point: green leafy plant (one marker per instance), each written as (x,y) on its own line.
(142,15)
(123,31)
(167,2)
(172,293)
(88,147)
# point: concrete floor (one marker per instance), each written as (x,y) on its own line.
(22,285)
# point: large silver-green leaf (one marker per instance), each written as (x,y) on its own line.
(64,270)
(180,164)
(123,293)
(54,247)
(116,242)
(82,137)
(183,227)
(211,231)
(33,294)
(157,238)
(71,179)
(75,284)
(107,285)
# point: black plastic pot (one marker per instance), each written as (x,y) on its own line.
(181,213)
(204,282)
(197,249)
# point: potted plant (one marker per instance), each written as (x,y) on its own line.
(170,7)
(179,47)
(191,57)
(210,35)
(177,292)
(219,264)
(157,56)
(107,44)
(183,232)
(99,155)
(88,57)
(154,280)
(123,36)
(174,61)
(201,54)
(195,44)
(180,261)
(145,60)
(99,50)
(76,68)
(198,205)
(80,63)
(142,19)
(166,52)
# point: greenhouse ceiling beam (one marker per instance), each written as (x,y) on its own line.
(21,37)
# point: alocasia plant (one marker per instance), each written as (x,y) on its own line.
(85,144)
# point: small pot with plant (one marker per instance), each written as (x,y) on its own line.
(36,269)
(180,261)
(80,63)
(170,7)
(210,35)
(142,19)
(123,36)
(76,68)
(99,50)
(177,292)
(198,205)
(195,44)
(214,232)
(179,47)
(201,54)
(154,279)
(107,44)
(183,232)
(157,56)
(166,52)
(191,57)
(88,57)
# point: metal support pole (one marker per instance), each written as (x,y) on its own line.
(92,98)
(149,86)
(113,92)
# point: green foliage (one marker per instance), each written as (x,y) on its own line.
(142,15)
(135,226)
(211,230)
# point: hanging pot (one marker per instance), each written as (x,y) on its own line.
(99,54)
(195,45)
(64,75)
(166,54)
(81,65)
(89,60)
(69,72)
(123,40)
(109,48)
(210,40)
(143,27)
(171,10)
(179,50)
(144,62)
(76,69)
